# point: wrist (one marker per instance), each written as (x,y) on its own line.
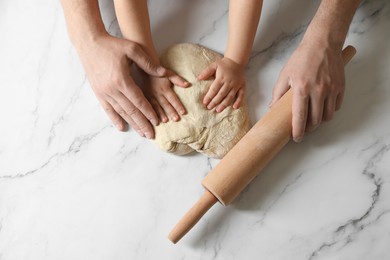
(323,38)
(83,41)
(236,60)
(329,26)
(239,67)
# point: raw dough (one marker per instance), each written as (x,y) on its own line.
(205,131)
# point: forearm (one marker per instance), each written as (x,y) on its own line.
(330,25)
(243,21)
(84,21)
(133,19)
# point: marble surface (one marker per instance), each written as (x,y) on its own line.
(72,187)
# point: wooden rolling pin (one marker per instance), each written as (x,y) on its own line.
(245,160)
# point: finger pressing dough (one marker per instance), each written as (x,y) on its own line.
(202,130)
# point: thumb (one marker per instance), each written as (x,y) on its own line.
(208,72)
(135,53)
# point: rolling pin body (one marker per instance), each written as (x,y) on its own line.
(252,153)
(246,159)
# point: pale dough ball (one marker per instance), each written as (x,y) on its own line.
(202,130)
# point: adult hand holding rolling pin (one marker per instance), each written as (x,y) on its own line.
(315,71)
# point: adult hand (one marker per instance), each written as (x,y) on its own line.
(315,72)
(107,63)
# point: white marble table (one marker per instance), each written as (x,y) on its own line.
(72,187)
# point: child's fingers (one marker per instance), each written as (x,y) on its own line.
(178,81)
(208,72)
(160,112)
(213,90)
(227,101)
(221,95)
(172,98)
(168,109)
(239,99)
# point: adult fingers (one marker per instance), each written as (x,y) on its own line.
(239,99)
(118,121)
(138,56)
(300,102)
(120,111)
(316,106)
(173,99)
(212,92)
(339,100)
(281,87)
(227,101)
(133,115)
(134,94)
(329,108)
(208,72)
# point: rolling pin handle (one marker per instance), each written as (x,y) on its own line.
(192,217)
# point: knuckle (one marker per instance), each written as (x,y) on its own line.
(144,127)
(303,89)
(148,64)
(227,102)
(131,111)
(231,94)
(315,121)
(116,82)
(108,110)
(121,112)
(301,117)
(106,89)
(140,102)
(215,90)
(321,90)
(163,101)
(132,48)
(327,80)
(212,92)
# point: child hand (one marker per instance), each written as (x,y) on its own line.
(163,99)
(228,86)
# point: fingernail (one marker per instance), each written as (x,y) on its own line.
(119,127)
(155,122)
(165,119)
(182,112)
(140,133)
(161,70)
(209,106)
(175,118)
(148,135)
(298,139)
